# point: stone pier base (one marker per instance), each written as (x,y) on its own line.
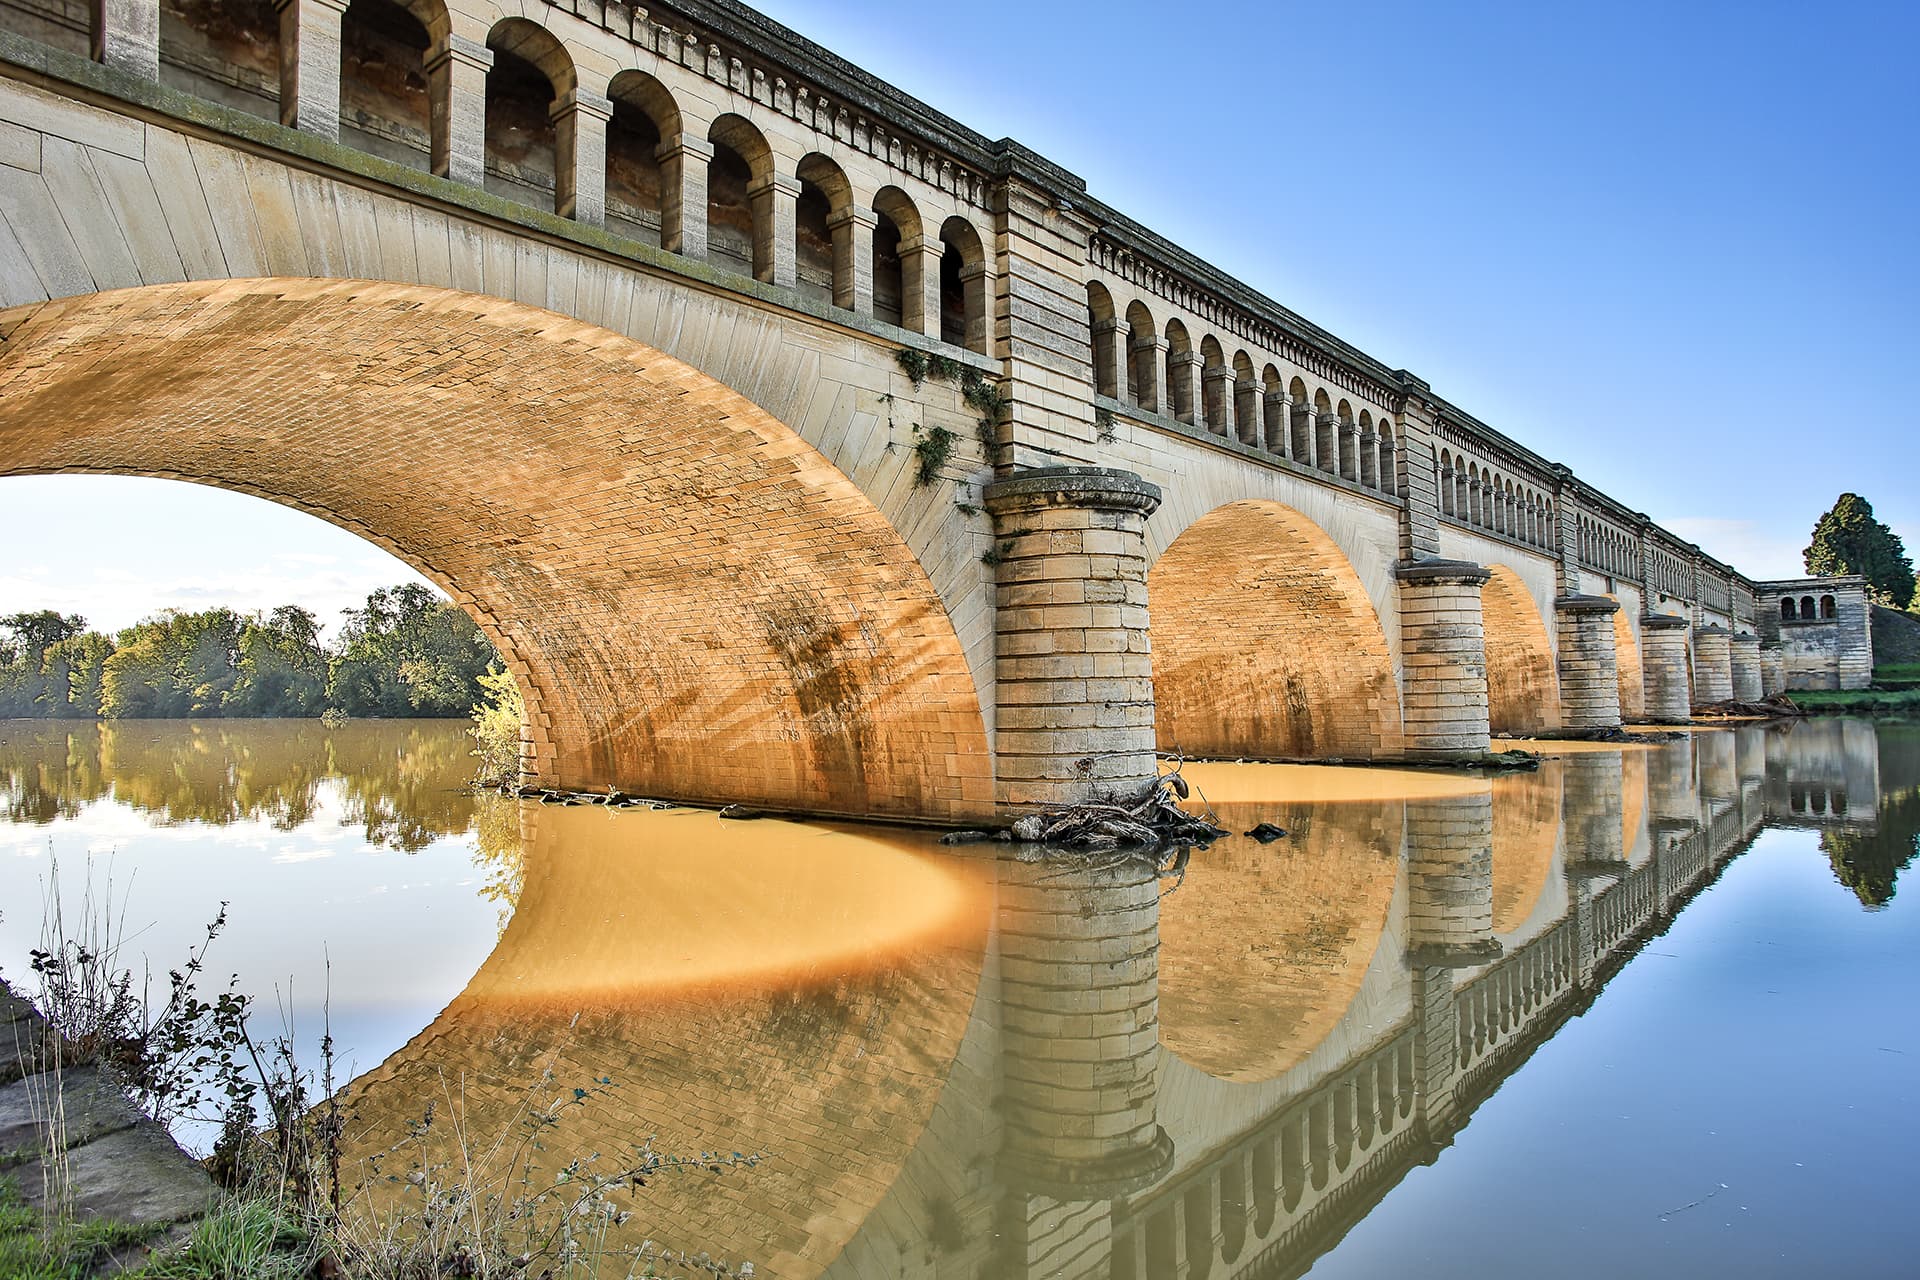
(1663,667)
(1072,670)
(1773,670)
(1443,646)
(1712,665)
(1744,658)
(1589,663)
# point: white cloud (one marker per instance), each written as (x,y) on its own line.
(302,855)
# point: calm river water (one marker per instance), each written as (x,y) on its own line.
(1649,1011)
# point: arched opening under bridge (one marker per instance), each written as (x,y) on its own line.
(1265,642)
(694,602)
(1523,688)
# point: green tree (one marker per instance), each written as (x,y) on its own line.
(49,665)
(408,653)
(178,664)
(282,668)
(1848,540)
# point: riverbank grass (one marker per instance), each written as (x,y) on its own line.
(37,1246)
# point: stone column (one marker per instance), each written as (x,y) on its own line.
(310,65)
(773,199)
(976,286)
(1712,665)
(1246,412)
(1149,358)
(1663,668)
(1743,652)
(1450,881)
(920,258)
(1370,459)
(1110,349)
(1279,419)
(1595,842)
(1073,673)
(852,229)
(126,36)
(1588,664)
(684,161)
(1443,650)
(1218,400)
(1326,443)
(1773,669)
(457,92)
(1305,429)
(1349,451)
(1079,1010)
(580,156)
(1185,374)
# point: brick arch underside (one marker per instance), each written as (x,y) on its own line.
(1633,694)
(1265,643)
(1523,689)
(696,604)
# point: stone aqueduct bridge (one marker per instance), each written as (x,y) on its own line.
(595,314)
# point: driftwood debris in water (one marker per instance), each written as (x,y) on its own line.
(1267,833)
(1778,707)
(1151,820)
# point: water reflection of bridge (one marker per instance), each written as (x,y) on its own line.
(1115,1081)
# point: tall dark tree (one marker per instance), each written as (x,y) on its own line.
(1848,540)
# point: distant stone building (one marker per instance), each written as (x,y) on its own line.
(1822,628)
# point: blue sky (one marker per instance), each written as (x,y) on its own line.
(1670,245)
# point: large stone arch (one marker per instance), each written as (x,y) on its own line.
(1266,644)
(1523,690)
(697,604)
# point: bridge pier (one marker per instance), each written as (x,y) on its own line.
(1595,842)
(1744,657)
(1073,673)
(1443,649)
(1589,664)
(1663,666)
(1712,665)
(1450,881)
(1773,669)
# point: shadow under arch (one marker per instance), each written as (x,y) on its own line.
(1523,687)
(1265,642)
(695,602)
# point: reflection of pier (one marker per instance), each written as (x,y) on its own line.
(1273,1199)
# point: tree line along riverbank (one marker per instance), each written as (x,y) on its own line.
(405,653)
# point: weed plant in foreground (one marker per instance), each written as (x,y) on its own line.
(441,1201)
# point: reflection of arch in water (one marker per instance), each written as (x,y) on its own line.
(1526,836)
(722,997)
(1265,947)
(694,601)
(1266,643)
(1523,690)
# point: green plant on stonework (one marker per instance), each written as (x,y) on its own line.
(996,555)
(932,448)
(913,363)
(36,1247)
(496,729)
